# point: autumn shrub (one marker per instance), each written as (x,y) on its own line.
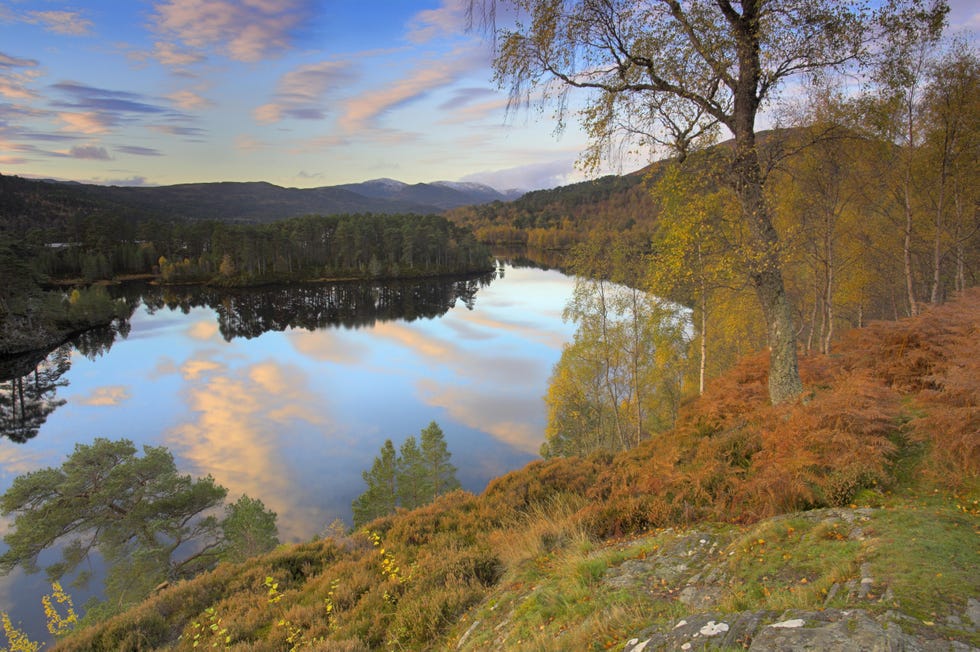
(540,481)
(457,512)
(551,525)
(933,359)
(446,580)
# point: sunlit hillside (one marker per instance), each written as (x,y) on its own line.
(852,513)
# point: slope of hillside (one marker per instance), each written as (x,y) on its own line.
(847,521)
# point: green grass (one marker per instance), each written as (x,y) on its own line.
(928,554)
(791,564)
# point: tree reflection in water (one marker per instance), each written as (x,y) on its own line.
(248,313)
(29,383)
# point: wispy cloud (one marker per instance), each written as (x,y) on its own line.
(82,96)
(204,330)
(92,110)
(7,61)
(89,122)
(450,18)
(15,74)
(533,176)
(363,110)
(195,368)
(171,54)
(462,97)
(10,111)
(300,92)
(179,130)
(508,418)
(243,30)
(136,150)
(106,396)
(91,152)
(494,107)
(189,100)
(72,23)
(236,435)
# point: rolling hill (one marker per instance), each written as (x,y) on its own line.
(27,202)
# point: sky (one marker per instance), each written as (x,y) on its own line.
(300,93)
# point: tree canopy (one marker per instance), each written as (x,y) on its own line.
(146,520)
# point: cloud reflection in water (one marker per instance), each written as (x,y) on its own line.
(244,418)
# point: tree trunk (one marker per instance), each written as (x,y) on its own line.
(907,197)
(937,251)
(765,266)
(704,322)
(828,286)
(765,274)
(907,256)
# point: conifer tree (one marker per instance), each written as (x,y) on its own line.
(249,529)
(148,522)
(414,485)
(380,497)
(410,479)
(442,474)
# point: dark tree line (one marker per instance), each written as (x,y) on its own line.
(304,248)
(312,306)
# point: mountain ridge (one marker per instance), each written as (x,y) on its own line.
(242,201)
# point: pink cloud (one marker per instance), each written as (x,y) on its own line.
(169,54)
(361,111)
(268,113)
(189,100)
(450,18)
(13,83)
(86,123)
(106,396)
(61,22)
(300,92)
(244,30)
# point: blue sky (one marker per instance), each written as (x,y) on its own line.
(295,92)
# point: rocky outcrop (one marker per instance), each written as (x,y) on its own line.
(693,568)
(830,630)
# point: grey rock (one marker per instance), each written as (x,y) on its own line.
(973,611)
(854,631)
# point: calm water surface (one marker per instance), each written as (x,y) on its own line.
(291,415)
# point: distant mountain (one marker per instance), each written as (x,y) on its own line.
(236,202)
(443,194)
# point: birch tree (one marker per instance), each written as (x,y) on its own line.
(659,60)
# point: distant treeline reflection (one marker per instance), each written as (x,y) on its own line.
(29,383)
(249,313)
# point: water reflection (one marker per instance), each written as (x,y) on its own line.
(29,383)
(28,396)
(249,313)
(287,394)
